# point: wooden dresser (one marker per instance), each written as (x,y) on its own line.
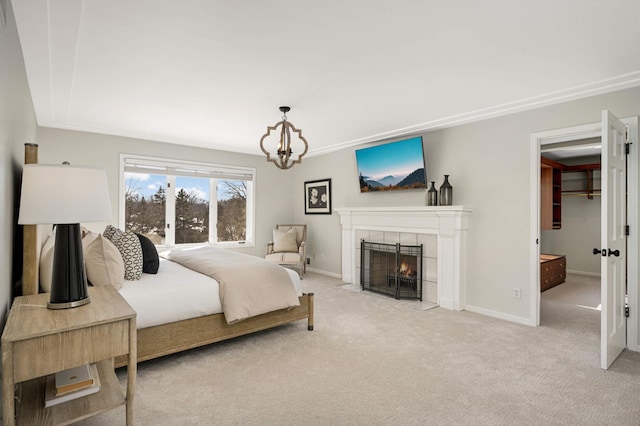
(553,270)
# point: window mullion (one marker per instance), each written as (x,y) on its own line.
(213,211)
(170,212)
(250,212)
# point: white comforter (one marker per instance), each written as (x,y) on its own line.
(177,293)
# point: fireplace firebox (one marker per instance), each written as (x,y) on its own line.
(392,269)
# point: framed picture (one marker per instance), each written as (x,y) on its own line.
(317,197)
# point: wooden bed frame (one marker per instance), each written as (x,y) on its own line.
(177,336)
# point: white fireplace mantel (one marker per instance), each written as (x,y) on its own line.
(449,223)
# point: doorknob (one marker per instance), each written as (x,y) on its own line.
(606,252)
(616,253)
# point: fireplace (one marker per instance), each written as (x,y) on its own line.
(442,230)
(392,269)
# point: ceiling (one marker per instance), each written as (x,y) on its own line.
(213,73)
(576,149)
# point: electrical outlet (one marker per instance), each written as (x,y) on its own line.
(308,261)
(516,293)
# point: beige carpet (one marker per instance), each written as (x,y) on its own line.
(374,361)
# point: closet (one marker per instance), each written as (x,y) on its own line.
(558,179)
(569,211)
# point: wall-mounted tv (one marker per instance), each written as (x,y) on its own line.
(392,166)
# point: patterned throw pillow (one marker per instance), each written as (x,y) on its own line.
(129,246)
(109,231)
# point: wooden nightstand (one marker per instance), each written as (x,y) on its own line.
(38,341)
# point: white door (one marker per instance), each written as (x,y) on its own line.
(613,261)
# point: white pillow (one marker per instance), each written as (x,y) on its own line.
(285,241)
(46,262)
(104,263)
(87,238)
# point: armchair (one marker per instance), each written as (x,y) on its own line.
(289,247)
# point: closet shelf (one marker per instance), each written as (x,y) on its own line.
(580,194)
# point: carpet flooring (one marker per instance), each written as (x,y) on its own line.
(373,360)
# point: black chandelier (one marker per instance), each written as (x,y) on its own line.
(283,159)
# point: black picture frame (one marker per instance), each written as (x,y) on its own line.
(317,196)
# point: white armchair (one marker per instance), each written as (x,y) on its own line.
(289,247)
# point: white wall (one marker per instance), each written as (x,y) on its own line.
(273,203)
(17,126)
(489,167)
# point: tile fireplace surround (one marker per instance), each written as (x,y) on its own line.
(442,230)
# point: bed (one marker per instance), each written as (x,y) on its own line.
(174,331)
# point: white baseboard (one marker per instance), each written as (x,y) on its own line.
(499,315)
(587,274)
(327,273)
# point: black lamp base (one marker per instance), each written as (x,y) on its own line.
(69,287)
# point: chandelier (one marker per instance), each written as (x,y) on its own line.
(283,158)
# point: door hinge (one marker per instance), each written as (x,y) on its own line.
(626,230)
(626,133)
(626,310)
(627,148)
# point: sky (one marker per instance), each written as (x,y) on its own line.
(147,184)
(396,158)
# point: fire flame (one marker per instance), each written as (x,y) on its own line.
(405,269)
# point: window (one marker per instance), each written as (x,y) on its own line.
(179,202)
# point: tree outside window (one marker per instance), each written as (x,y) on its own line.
(145,209)
(232,210)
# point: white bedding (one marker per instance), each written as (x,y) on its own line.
(177,293)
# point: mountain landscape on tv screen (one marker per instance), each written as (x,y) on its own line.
(390,180)
(414,180)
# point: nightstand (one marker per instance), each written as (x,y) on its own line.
(38,341)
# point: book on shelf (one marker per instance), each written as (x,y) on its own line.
(73,379)
(51,397)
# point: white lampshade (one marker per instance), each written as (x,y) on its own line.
(63,194)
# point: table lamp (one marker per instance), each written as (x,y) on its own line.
(65,196)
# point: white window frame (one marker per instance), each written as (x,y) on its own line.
(214,171)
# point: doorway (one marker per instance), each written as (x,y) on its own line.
(568,135)
(573,300)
